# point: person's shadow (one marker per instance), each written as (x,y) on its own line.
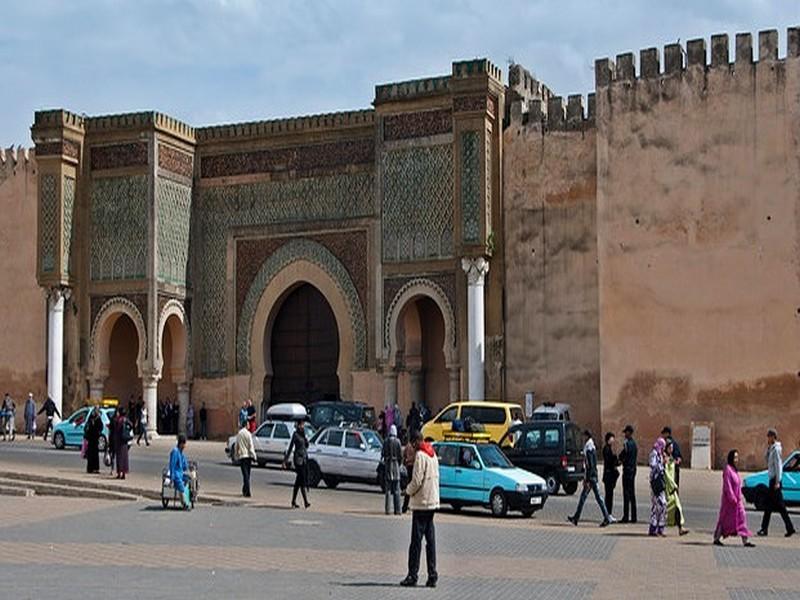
(367,584)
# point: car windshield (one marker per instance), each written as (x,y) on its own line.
(373,439)
(493,457)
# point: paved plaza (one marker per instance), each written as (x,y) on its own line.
(344,547)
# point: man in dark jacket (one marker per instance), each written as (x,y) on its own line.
(299,445)
(49,409)
(590,482)
(610,471)
(628,460)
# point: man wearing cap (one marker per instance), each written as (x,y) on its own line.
(774,500)
(628,458)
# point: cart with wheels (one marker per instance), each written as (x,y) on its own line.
(170,494)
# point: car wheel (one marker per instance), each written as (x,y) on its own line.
(552,485)
(760,497)
(498,503)
(331,482)
(314,475)
(527,513)
(456,506)
(102,443)
(58,440)
(571,487)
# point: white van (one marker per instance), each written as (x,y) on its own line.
(551,411)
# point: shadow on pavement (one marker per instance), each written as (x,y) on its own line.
(360,584)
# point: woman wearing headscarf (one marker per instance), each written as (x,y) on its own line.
(658,496)
(392,454)
(123,435)
(91,433)
(732,518)
(674,508)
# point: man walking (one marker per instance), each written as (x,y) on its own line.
(666,433)
(774,500)
(49,409)
(143,416)
(30,417)
(392,455)
(203,422)
(423,489)
(245,454)
(590,482)
(9,412)
(628,458)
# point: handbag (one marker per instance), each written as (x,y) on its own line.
(106,458)
(84,448)
(657,485)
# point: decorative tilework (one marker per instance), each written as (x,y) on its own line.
(417,124)
(119,228)
(445,282)
(97,304)
(133,154)
(488,181)
(68,212)
(63,147)
(326,198)
(174,217)
(301,249)
(175,161)
(472,104)
(298,161)
(470,187)
(48,222)
(417,216)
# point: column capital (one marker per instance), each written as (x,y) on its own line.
(476,269)
(150,378)
(54,294)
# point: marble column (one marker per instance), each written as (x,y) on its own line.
(55,346)
(183,406)
(150,398)
(476,269)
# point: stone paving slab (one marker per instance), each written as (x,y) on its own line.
(763,594)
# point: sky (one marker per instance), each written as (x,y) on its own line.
(208,62)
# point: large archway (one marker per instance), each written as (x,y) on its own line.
(123,381)
(173,386)
(304,348)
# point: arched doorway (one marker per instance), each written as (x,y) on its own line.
(423,374)
(303,344)
(123,380)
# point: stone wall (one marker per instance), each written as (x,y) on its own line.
(23,323)
(552,344)
(698,229)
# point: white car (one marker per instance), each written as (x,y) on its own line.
(339,454)
(271,440)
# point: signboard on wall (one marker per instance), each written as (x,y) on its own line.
(702,445)
(528,405)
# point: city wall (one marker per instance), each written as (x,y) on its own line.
(22,328)
(698,230)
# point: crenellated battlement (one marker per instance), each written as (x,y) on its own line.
(478,66)
(14,158)
(695,55)
(141,120)
(414,88)
(336,120)
(58,118)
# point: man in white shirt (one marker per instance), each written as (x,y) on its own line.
(245,454)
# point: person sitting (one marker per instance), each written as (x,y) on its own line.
(179,471)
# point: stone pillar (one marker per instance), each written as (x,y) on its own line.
(389,386)
(476,269)
(96,389)
(455,383)
(183,406)
(55,346)
(150,398)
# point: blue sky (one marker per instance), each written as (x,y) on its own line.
(219,61)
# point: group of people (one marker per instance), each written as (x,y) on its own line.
(120,437)
(8,412)
(392,415)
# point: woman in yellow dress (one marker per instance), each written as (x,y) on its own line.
(674,508)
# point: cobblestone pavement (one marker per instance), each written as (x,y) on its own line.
(82,549)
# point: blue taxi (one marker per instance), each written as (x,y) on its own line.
(480,475)
(755,486)
(69,432)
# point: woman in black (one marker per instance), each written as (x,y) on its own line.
(299,444)
(91,433)
(610,471)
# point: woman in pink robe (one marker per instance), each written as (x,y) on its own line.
(732,518)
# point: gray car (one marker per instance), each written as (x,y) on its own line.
(271,440)
(338,454)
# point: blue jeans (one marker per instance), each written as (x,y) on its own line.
(584,493)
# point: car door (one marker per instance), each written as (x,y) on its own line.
(261,441)
(448,458)
(791,479)
(355,460)
(279,440)
(331,453)
(530,457)
(469,474)
(73,431)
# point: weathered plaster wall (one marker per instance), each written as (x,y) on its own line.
(698,223)
(23,321)
(551,267)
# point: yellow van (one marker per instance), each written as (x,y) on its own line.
(496,417)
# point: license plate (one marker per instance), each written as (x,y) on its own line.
(536,500)
(570,469)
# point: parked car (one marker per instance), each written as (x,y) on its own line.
(496,418)
(551,411)
(271,440)
(481,475)
(755,486)
(328,413)
(69,432)
(551,449)
(338,454)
